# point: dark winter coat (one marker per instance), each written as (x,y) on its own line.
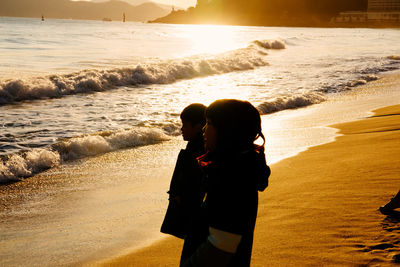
(186,193)
(233,181)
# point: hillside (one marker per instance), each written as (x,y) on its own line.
(66,9)
(264,12)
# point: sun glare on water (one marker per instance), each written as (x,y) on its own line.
(213,39)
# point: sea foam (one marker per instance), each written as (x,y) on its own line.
(164,72)
(25,164)
(290,102)
(271,44)
(364,79)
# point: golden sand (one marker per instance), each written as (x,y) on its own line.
(321,205)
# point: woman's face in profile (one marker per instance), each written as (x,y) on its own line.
(210,136)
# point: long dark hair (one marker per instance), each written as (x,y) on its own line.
(238,124)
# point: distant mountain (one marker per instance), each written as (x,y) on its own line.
(66,9)
(314,13)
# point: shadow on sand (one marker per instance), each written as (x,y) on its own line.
(392,222)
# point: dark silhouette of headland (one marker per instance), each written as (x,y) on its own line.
(292,13)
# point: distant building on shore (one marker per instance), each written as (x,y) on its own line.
(383,5)
(379,11)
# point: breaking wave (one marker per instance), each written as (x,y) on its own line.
(348,85)
(271,44)
(290,102)
(394,57)
(25,164)
(310,98)
(86,81)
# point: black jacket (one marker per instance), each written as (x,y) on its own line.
(233,182)
(185,193)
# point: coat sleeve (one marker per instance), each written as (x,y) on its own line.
(175,187)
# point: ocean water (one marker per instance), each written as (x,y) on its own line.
(75,89)
(72,89)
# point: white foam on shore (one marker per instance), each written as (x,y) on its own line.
(364,79)
(293,131)
(91,145)
(271,44)
(28,163)
(290,102)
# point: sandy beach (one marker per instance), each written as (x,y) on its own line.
(91,130)
(320,208)
(321,205)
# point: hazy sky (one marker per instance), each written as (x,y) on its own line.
(183,3)
(179,3)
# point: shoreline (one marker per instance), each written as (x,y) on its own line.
(308,219)
(99,208)
(290,132)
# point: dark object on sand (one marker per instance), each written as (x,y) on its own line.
(396,258)
(393,204)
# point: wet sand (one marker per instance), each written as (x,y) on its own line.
(321,205)
(93,208)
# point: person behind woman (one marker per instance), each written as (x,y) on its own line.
(235,170)
(185,193)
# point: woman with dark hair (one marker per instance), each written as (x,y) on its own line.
(235,170)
